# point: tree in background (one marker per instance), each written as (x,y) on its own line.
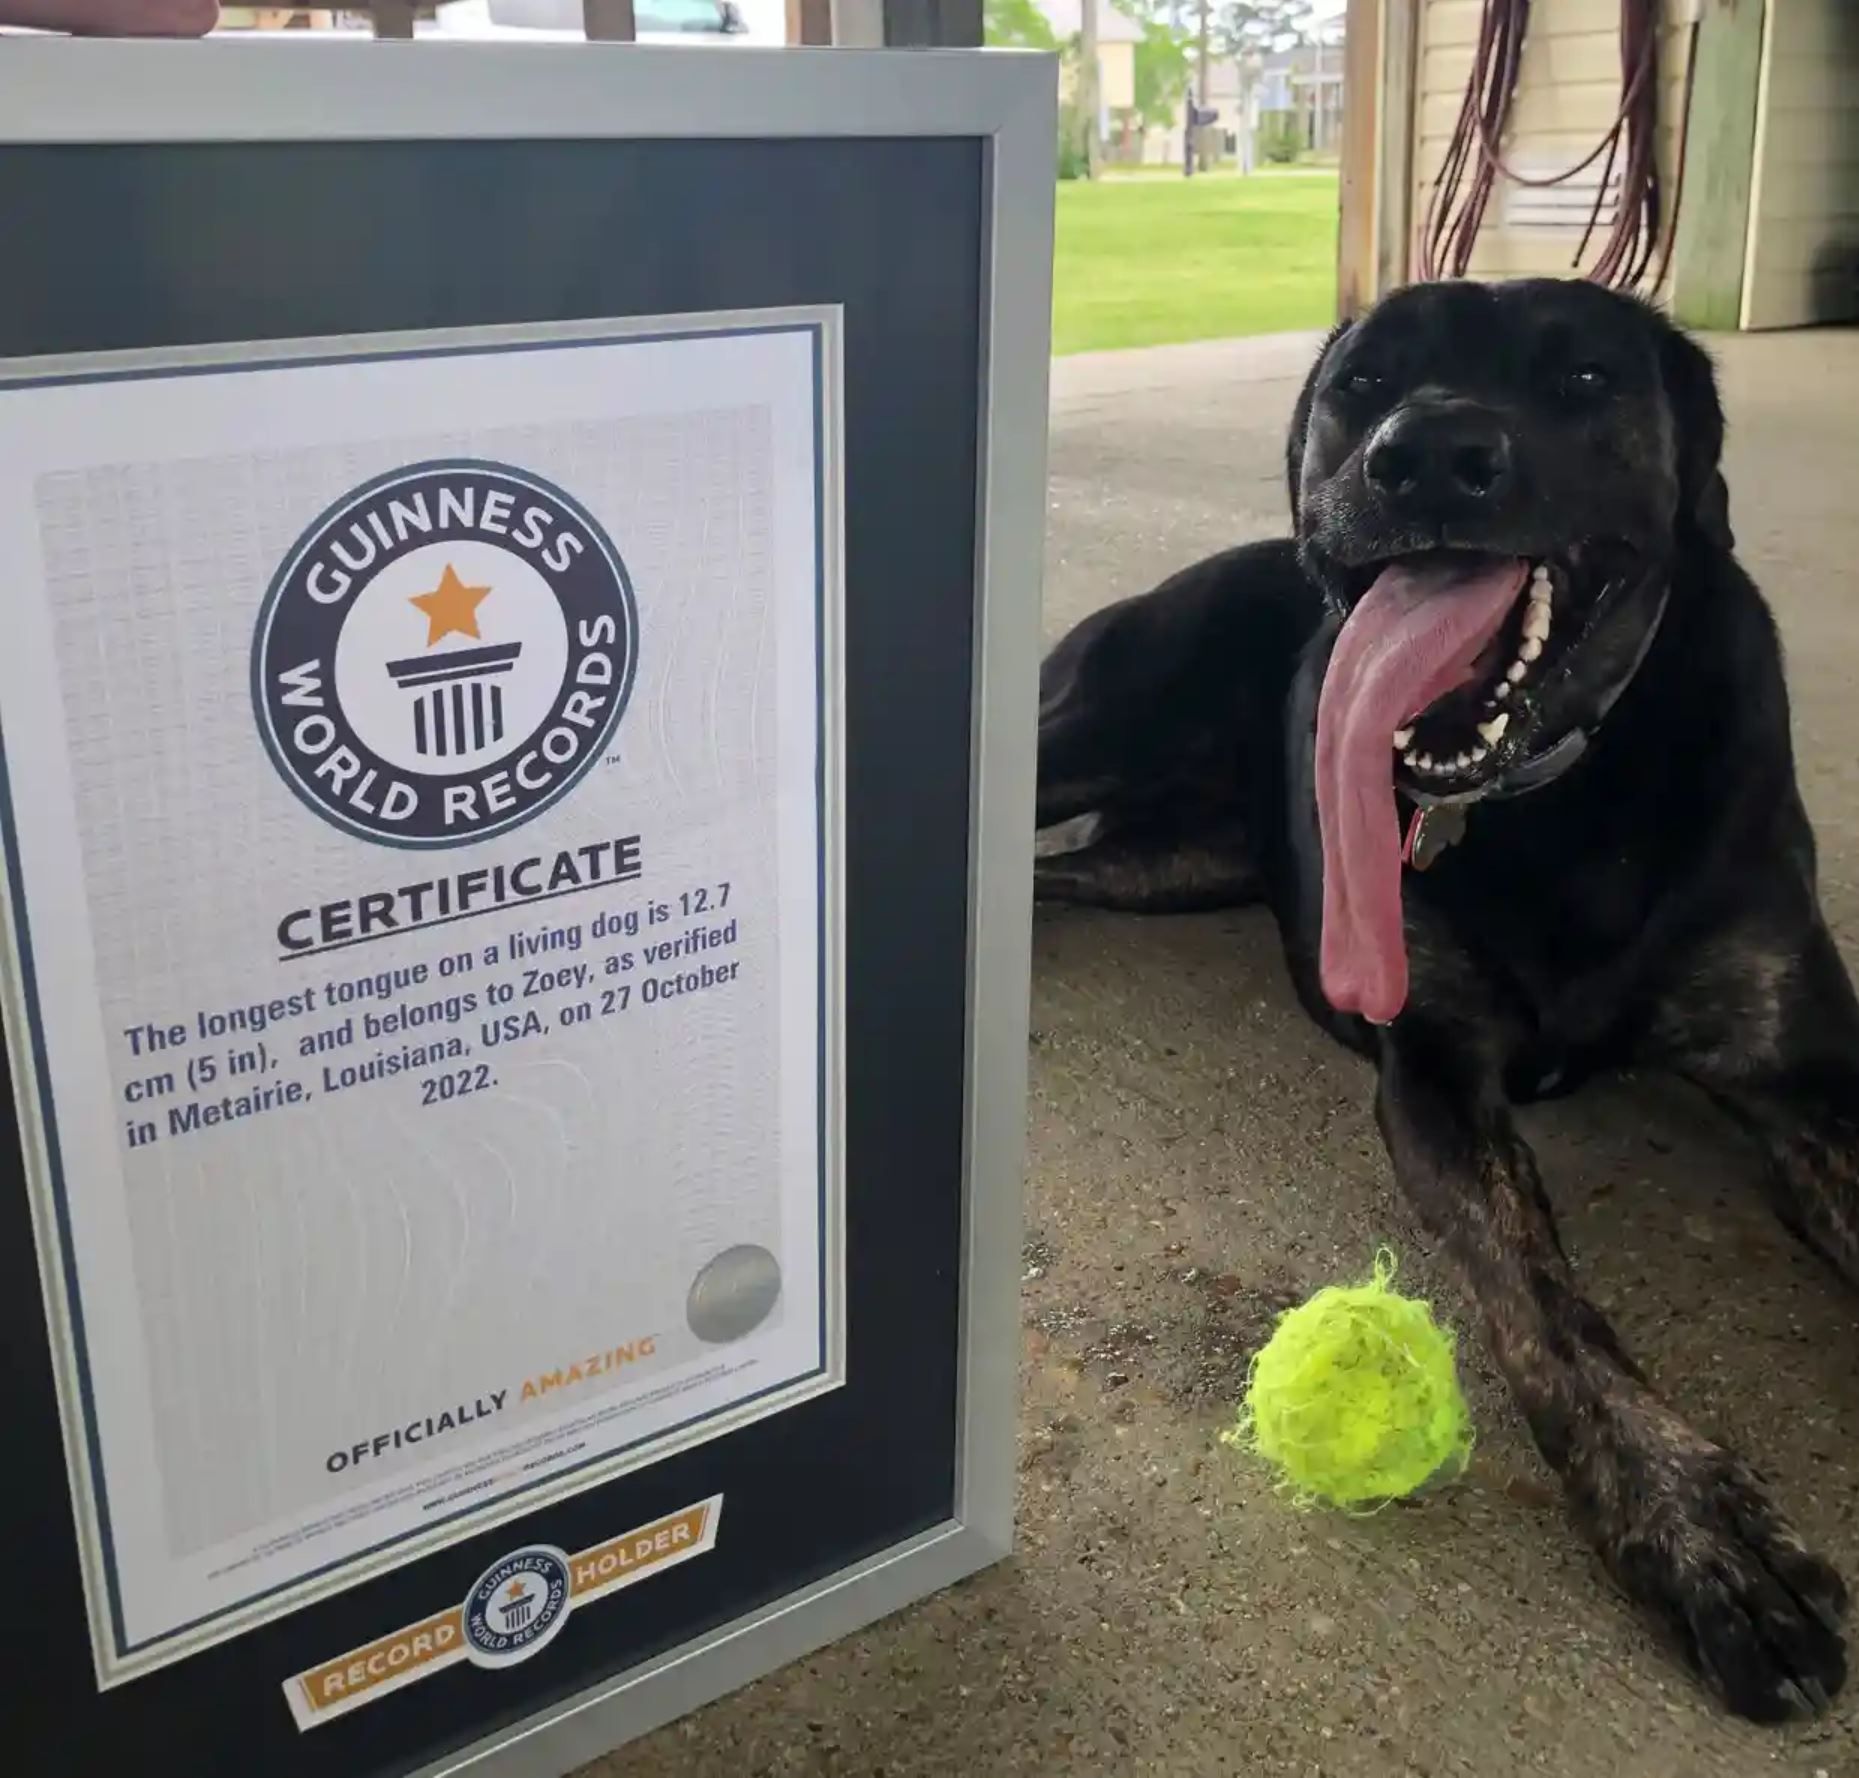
(1234,24)
(1019,24)
(1164,64)
(1016,24)
(1262,25)
(1236,30)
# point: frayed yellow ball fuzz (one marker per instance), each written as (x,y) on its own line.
(1355,1399)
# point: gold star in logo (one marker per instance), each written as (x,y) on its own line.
(451,608)
(516,1590)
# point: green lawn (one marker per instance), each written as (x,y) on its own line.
(1145,262)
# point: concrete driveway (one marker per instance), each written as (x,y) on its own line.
(1200,1159)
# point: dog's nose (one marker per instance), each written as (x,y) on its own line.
(1434,463)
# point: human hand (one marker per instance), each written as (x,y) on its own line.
(114,18)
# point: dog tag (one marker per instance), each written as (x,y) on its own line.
(1432,830)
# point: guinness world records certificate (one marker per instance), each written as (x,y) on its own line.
(421,931)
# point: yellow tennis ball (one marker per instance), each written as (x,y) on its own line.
(1355,1399)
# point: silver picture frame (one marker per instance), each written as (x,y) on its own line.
(56,91)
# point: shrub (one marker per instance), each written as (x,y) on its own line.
(1280,138)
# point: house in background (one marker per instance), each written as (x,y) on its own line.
(1119,128)
(1233,99)
(1295,94)
(1301,94)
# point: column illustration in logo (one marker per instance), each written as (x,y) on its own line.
(457,707)
(519,1603)
(443,654)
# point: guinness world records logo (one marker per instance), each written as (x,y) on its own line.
(444,653)
(518,1606)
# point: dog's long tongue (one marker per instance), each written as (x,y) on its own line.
(1415,636)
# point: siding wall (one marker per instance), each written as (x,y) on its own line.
(1567,95)
(1802,259)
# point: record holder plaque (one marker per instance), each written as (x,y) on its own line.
(515,768)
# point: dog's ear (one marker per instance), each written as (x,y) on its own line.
(1300,416)
(1697,438)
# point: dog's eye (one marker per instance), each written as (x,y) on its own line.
(1586,381)
(1360,385)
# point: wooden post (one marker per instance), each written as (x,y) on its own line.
(393,18)
(1356,218)
(607,21)
(1087,83)
(810,21)
(1394,175)
(1194,134)
(1720,155)
(1203,54)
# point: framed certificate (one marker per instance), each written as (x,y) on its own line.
(515,760)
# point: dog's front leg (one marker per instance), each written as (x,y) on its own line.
(1685,1526)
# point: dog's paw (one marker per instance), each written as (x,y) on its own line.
(1757,1613)
(1069,836)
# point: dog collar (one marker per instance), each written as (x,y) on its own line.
(1530,773)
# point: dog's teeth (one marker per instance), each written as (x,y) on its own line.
(1425,762)
(1493,731)
(1480,754)
(1540,573)
(1515,672)
(1464,760)
(1536,623)
(1403,739)
(1503,690)
(1532,648)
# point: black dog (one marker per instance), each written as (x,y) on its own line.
(1502,739)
